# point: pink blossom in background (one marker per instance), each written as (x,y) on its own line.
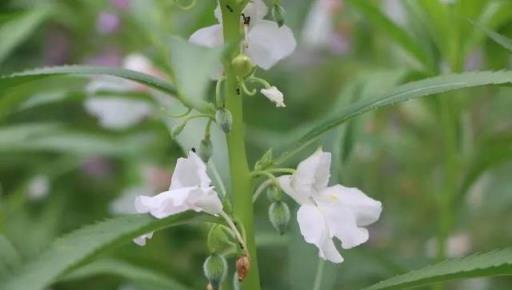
(98,167)
(121,4)
(57,47)
(107,23)
(110,56)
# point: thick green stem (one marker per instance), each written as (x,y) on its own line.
(239,169)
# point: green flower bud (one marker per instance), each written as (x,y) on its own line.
(265,161)
(279,215)
(215,268)
(242,65)
(220,239)
(176,130)
(205,149)
(278,14)
(274,194)
(224,118)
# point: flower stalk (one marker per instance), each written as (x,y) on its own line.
(239,169)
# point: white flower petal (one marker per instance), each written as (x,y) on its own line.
(285,182)
(312,175)
(206,200)
(138,62)
(268,43)
(141,240)
(117,113)
(190,171)
(367,210)
(274,95)
(315,231)
(342,224)
(164,204)
(256,9)
(318,27)
(210,36)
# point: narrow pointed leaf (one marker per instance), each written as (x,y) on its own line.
(495,263)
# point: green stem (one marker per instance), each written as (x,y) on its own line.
(319,274)
(239,169)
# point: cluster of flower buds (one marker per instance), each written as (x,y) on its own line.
(278,212)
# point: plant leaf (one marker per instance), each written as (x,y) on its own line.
(9,257)
(15,79)
(17,29)
(126,270)
(502,40)
(493,263)
(417,89)
(81,245)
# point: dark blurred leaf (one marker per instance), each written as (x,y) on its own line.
(18,28)
(494,263)
(84,244)
(125,270)
(422,88)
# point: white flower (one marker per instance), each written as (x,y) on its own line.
(274,95)
(38,187)
(328,212)
(267,43)
(118,112)
(190,189)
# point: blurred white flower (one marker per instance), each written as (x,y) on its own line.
(328,212)
(118,112)
(396,11)
(190,189)
(274,95)
(38,187)
(457,245)
(267,43)
(141,240)
(318,27)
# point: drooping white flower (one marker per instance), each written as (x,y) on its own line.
(117,112)
(267,43)
(326,211)
(190,189)
(274,95)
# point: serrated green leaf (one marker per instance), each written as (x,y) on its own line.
(417,89)
(18,28)
(494,263)
(125,270)
(15,79)
(81,245)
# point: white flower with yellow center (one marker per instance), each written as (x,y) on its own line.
(326,211)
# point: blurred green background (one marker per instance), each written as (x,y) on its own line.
(61,169)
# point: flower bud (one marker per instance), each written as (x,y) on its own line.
(176,130)
(220,239)
(242,65)
(278,14)
(243,265)
(215,268)
(236,282)
(224,118)
(279,215)
(274,194)
(205,149)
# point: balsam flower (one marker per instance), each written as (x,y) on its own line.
(267,43)
(326,211)
(274,95)
(119,112)
(190,189)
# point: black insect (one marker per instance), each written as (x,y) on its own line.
(247,19)
(230,8)
(238,91)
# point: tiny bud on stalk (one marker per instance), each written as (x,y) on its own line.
(215,268)
(278,14)
(205,149)
(224,118)
(279,215)
(274,194)
(243,265)
(242,65)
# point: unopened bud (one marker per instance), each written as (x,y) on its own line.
(242,65)
(220,239)
(243,265)
(205,149)
(278,14)
(215,268)
(279,215)
(176,130)
(274,194)
(224,118)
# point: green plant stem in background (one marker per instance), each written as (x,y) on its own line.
(239,169)
(319,275)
